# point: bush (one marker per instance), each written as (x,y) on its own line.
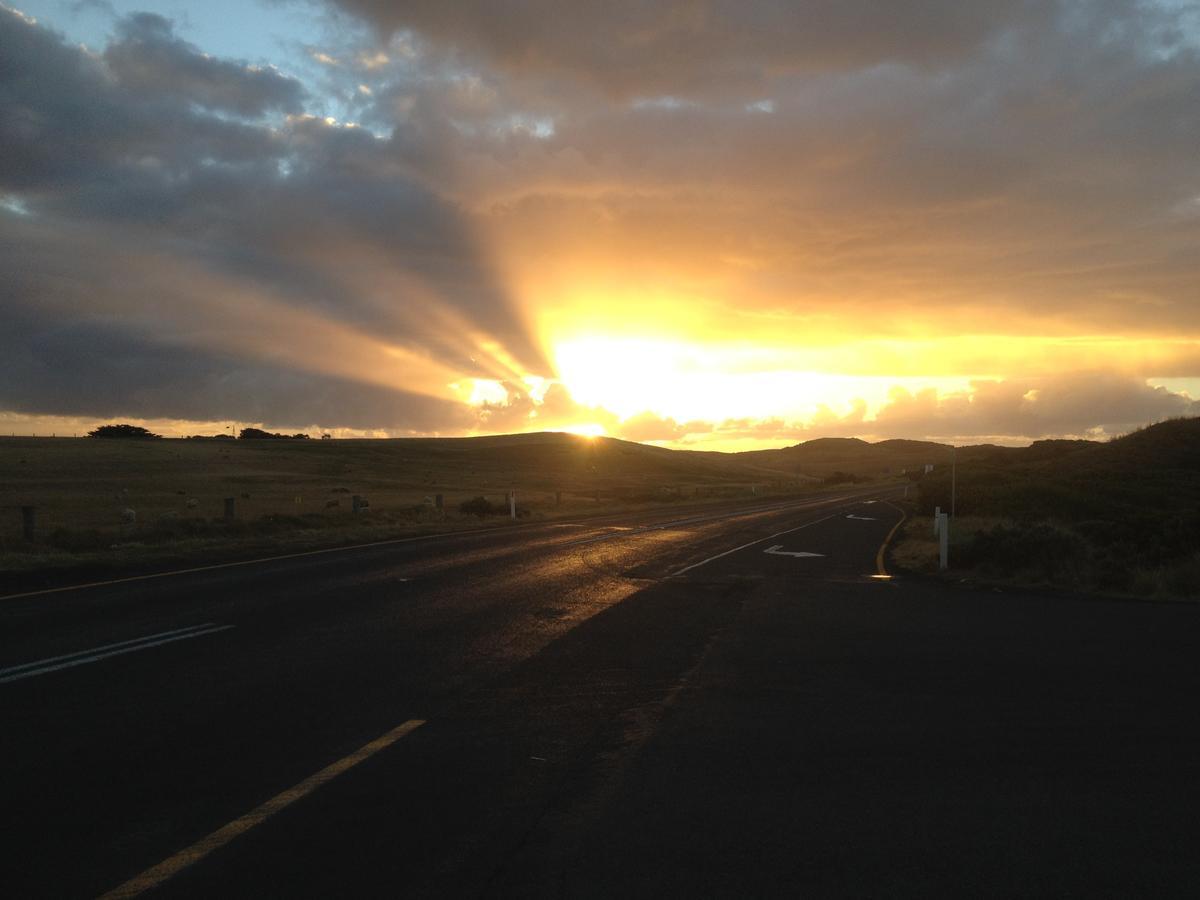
(840,477)
(479,506)
(1040,549)
(257,434)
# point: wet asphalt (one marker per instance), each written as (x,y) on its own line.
(622,708)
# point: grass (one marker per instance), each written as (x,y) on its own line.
(297,494)
(1121,517)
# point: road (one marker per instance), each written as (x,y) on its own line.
(727,703)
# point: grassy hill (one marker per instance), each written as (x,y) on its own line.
(1120,515)
(82,488)
(823,457)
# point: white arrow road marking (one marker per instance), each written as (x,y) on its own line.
(778,550)
(861,518)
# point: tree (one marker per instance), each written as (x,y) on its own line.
(129,432)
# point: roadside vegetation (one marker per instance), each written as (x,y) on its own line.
(1121,517)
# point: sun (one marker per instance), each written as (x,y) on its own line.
(587,430)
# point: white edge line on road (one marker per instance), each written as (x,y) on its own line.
(91,650)
(83,660)
(705,562)
(173,865)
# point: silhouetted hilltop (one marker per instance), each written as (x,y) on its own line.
(821,457)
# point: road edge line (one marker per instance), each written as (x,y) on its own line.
(880,568)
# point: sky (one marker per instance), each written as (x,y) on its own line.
(708,224)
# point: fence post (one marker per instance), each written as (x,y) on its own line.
(229,509)
(512,504)
(943,542)
(937,518)
(29,522)
(355,503)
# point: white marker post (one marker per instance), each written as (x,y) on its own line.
(943,542)
(512,504)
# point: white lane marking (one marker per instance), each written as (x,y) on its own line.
(769,537)
(778,550)
(56,663)
(861,518)
(101,648)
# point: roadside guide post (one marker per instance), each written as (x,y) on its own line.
(512,504)
(937,518)
(943,542)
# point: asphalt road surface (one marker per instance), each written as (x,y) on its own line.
(717,704)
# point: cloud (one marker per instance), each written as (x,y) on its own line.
(856,176)
(683,47)
(556,410)
(924,167)
(172,261)
(1069,404)
(648,426)
(148,59)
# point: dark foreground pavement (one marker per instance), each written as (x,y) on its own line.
(607,711)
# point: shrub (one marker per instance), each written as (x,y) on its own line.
(1041,549)
(478,506)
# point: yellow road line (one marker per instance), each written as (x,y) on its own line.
(879,565)
(168,868)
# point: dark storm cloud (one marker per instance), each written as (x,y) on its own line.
(148,59)
(68,123)
(160,254)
